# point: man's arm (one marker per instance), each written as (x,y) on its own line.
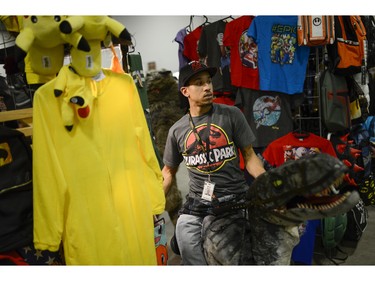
(252,162)
(168,174)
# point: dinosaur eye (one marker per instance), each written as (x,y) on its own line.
(57,18)
(34,19)
(277,183)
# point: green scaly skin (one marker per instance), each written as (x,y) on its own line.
(277,201)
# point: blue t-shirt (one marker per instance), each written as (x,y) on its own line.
(281,62)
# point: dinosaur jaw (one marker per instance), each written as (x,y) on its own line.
(300,190)
(328,206)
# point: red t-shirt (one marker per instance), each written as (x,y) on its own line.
(243,53)
(191,44)
(290,147)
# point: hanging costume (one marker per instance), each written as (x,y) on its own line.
(97,187)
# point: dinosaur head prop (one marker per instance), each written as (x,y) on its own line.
(284,197)
(300,190)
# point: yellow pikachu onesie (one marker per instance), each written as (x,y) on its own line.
(96,187)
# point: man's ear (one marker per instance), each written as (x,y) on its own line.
(183,90)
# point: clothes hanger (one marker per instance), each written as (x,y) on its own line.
(228,18)
(205,22)
(189,27)
(300,134)
(131,49)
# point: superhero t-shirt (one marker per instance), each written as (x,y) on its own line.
(281,62)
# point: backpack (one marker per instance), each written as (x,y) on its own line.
(367,190)
(334,102)
(371,88)
(315,30)
(358,102)
(16,201)
(369,23)
(347,55)
(361,142)
(333,230)
(357,219)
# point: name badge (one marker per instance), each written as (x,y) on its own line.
(208,190)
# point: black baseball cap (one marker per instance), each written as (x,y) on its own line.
(192,68)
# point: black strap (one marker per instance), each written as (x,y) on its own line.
(197,136)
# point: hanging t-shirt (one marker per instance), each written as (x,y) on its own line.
(210,47)
(243,53)
(292,146)
(282,63)
(269,114)
(180,36)
(191,44)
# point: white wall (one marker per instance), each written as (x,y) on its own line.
(154,37)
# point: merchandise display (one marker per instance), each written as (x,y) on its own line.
(97,136)
(95,29)
(41,38)
(282,63)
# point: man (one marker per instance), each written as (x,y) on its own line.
(207,138)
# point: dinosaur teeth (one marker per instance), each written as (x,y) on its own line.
(330,205)
(333,189)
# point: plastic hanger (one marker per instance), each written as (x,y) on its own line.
(189,27)
(228,18)
(205,22)
(300,134)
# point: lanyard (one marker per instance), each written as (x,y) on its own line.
(199,139)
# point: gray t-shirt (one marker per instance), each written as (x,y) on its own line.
(229,131)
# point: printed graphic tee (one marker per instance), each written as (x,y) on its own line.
(243,53)
(210,47)
(191,44)
(293,147)
(282,63)
(228,132)
(269,114)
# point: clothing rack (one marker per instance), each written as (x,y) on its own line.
(308,116)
